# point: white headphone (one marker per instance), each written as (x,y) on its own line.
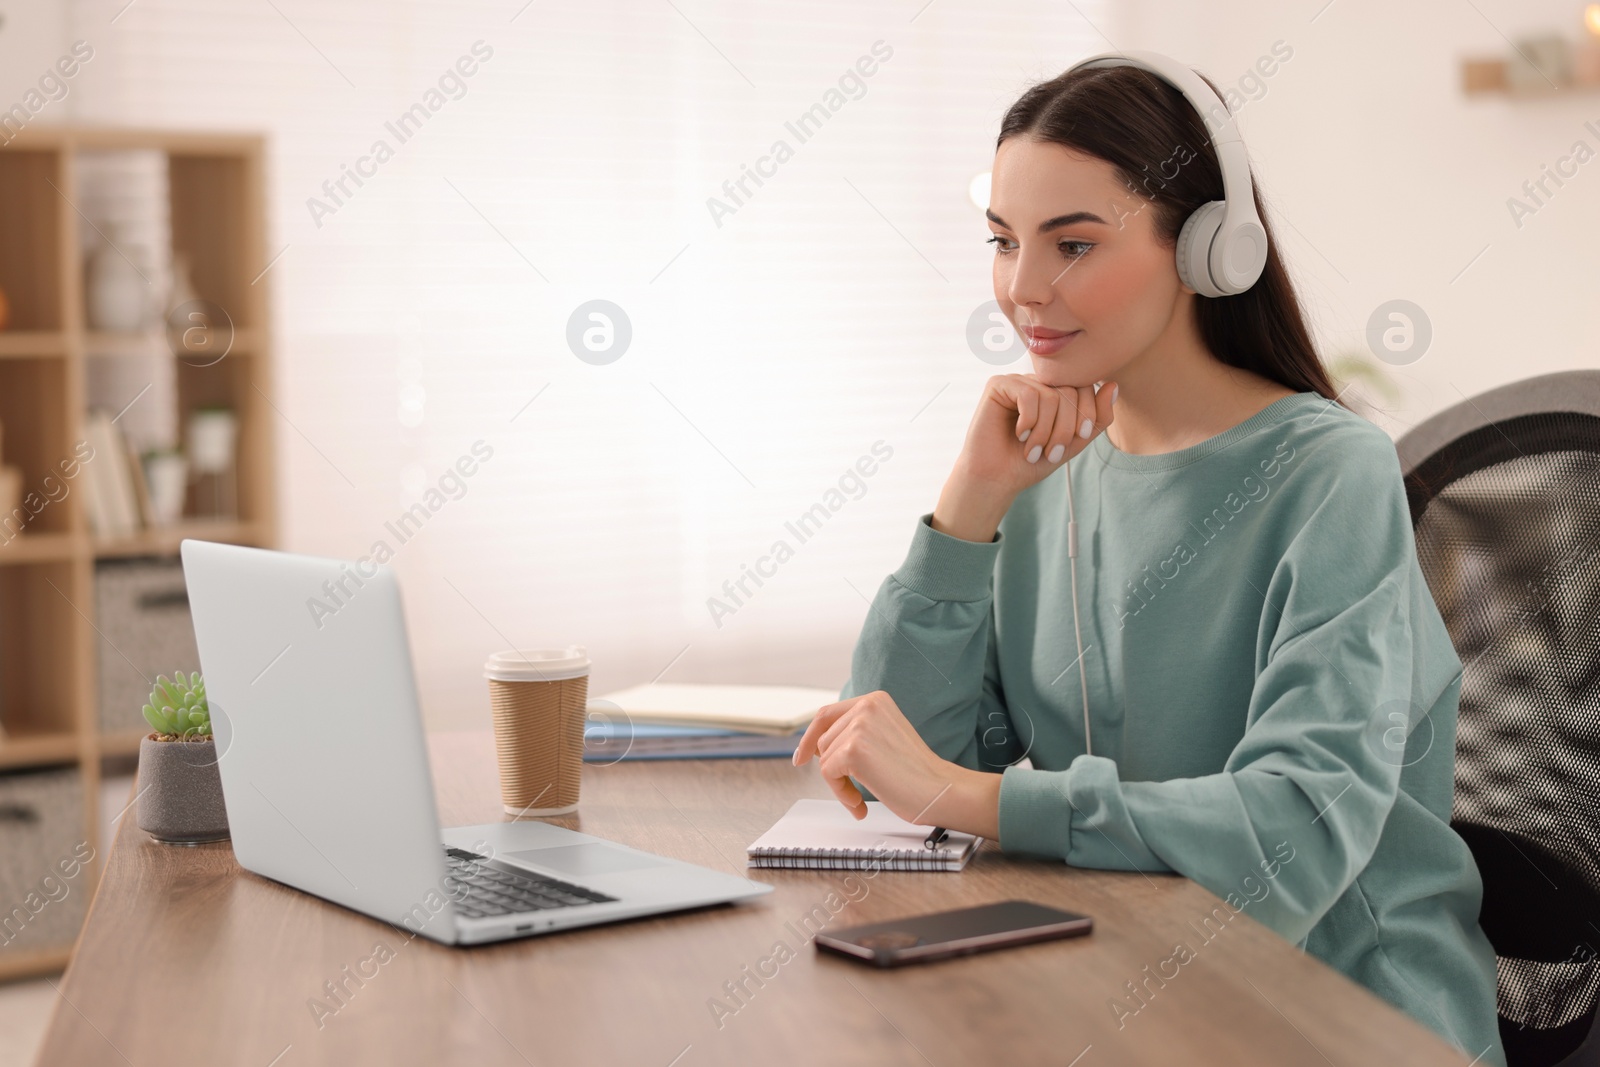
(1222,248)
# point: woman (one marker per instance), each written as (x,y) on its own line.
(1268,692)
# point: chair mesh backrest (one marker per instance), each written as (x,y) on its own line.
(1507,521)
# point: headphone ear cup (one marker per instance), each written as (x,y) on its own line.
(1243,256)
(1194,248)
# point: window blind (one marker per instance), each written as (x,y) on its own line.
(798,372)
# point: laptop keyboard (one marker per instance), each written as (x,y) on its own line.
(481,890)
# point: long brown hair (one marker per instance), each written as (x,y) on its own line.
(1144,127)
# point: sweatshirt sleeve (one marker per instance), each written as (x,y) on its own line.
(928,641)
(1312,772)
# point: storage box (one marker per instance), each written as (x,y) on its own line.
(46,863)
(142,613)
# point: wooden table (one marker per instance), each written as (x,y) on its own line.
(185,959)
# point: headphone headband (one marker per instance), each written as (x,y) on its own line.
(1222,248)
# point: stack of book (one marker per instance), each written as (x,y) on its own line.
(677,720)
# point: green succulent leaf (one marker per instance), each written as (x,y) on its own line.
(178,705)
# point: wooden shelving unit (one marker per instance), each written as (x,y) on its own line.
(48,636)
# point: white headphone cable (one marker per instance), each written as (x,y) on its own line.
(1077,630)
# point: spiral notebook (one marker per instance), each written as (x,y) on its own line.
(822,834)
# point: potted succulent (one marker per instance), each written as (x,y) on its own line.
(180,791)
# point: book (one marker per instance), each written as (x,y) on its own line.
(608,742)
(111,502)
(756,709)
(127,496)
(141,488)
(93,500)
(823,834)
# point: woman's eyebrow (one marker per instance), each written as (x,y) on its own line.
(1047,225)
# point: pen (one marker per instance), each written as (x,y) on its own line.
(937,837)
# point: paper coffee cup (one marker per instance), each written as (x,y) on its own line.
(539,699)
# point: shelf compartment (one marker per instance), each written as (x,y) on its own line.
(42,839)
(31,237)
(141,610)
(33,410)
(40,605)
(230,384)
(210,210)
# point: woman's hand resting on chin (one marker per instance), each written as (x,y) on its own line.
(1021,432)
(869,739)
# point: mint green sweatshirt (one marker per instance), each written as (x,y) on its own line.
(1272,695)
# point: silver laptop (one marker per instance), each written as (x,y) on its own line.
(324,766)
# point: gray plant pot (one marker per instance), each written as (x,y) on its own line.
(180,792)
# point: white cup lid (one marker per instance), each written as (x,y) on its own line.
(538,664)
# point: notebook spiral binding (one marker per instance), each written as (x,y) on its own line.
(855,859)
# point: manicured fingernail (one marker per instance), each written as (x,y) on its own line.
(1033,453)
(1055,453)
(1024,435)
(1114,389)
(1087,428)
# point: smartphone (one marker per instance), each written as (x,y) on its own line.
(961,932)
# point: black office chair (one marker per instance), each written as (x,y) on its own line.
(1505,501)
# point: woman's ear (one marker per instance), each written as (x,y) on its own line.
(1183,286)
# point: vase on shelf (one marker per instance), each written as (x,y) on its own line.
(117,296)
(167,476)
(1540,63)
